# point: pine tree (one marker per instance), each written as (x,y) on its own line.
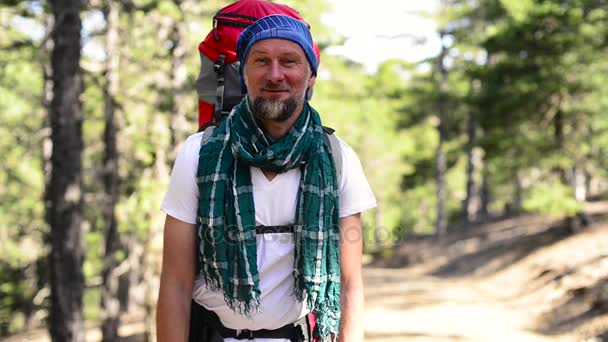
(65,212)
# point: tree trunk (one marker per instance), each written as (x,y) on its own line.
(558,124)
(470,205)
(516,204)
(65,188)
(441,221)
(44,54)
(588,185)
(580,183)
(484,194)
(110,304)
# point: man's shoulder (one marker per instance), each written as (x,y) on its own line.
(194,140)
(345,150)
(343,143)
(191,145)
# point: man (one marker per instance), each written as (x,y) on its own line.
(260,230)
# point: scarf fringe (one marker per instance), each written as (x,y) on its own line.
(326,311)
(246,307)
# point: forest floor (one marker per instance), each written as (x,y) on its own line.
(521,279)
(527,278)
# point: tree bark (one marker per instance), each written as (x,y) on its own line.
(558,123)
(110,304)
(441,221)
(470,205)
(484,194)
(518,189)
(44,54)
(580,183)
(65,188)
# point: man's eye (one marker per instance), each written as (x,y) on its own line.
(289,62)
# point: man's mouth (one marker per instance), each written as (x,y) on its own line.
(275,90)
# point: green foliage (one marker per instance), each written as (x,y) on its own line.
(22,226)
(551,198)
(518,9)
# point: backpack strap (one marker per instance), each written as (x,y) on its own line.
(219,67)
(336,149)
(207,134)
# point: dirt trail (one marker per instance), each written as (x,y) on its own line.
(404,306)
(525,278)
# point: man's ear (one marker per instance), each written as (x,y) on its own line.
(311,80)
(311,83)
(308,93)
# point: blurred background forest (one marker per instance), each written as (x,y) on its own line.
(509,117)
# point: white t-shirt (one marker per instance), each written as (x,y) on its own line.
(275,205)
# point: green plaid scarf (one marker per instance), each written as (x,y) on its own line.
(226,236)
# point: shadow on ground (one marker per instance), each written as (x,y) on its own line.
(133,338)
(496,254)
(581,305)
(484,249)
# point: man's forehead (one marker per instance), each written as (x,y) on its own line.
(277,46)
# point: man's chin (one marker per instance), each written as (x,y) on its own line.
(276,110)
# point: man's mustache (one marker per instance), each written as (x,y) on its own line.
(275,87)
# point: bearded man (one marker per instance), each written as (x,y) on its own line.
(262,231)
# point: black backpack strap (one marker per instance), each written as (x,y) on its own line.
(219,67)
(336,149)
(273,229)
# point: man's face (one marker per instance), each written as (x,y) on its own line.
(277,74)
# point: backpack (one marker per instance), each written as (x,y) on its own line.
(218,84)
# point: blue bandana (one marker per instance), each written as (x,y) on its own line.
(276,26)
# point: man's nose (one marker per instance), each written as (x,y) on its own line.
(275,72)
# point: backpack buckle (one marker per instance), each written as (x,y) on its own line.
(218,67)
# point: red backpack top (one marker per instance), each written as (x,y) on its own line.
(218,84)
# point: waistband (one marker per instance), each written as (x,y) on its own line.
(294,331)
(202,320)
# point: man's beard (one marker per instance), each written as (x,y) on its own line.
(277,110)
